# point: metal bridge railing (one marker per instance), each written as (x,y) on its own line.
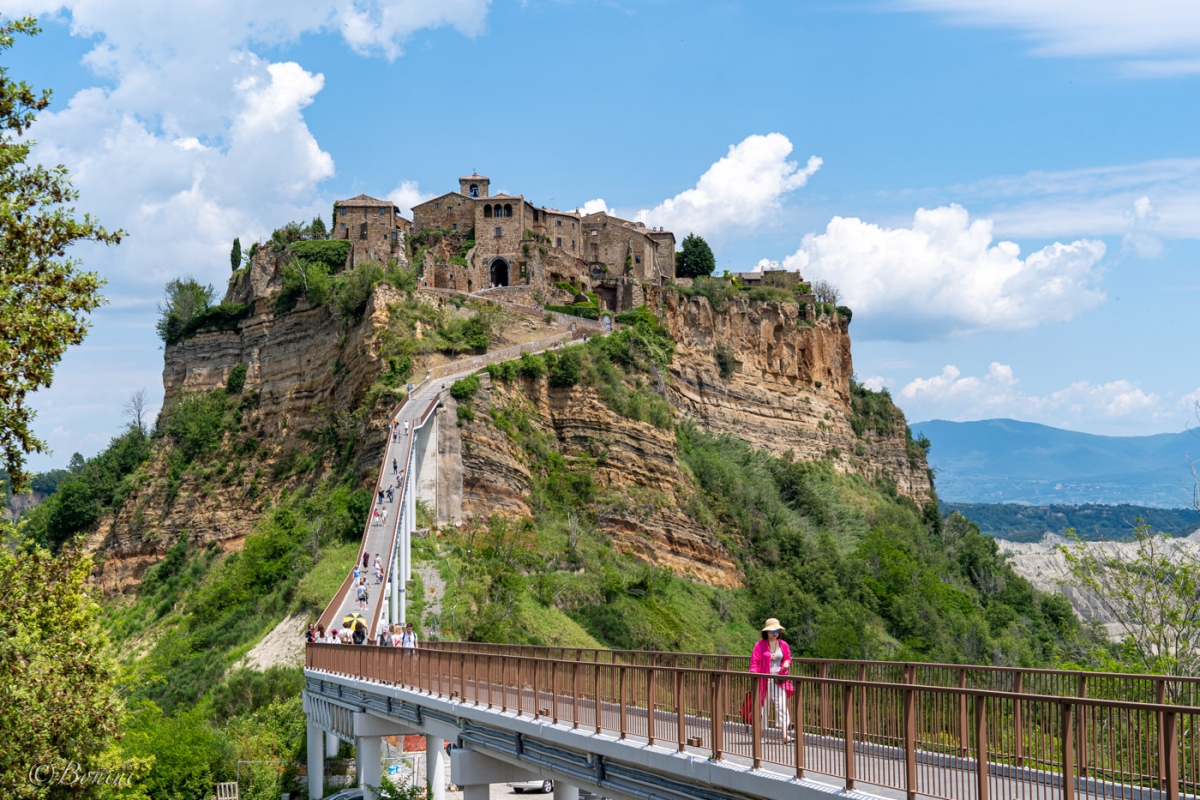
(953,742)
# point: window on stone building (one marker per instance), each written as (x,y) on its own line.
(342,210)
(637,259)
(572,244)
(362,231)
(558,241)
(474,190)
(487,212)
(558,223)
(499,231)
(343,226)
(535,217)
(453,226)
(507,210)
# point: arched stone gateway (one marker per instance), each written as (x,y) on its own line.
(498,273)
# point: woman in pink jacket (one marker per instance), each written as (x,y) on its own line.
(772,656)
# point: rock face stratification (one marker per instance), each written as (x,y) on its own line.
(789,389)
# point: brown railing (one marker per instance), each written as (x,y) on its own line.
(954,742)
(1171,689)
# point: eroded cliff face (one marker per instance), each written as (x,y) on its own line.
(789,389)
(640,490)
(303,369)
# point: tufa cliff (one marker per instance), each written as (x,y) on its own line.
(319,383)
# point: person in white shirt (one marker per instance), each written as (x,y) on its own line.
(408,639)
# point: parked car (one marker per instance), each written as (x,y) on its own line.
(354,793)
(545,787)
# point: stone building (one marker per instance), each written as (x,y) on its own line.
(519,243)
(374,227)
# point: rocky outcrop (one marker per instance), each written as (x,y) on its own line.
(788,388)
(640,489)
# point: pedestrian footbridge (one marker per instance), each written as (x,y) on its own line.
(665,726)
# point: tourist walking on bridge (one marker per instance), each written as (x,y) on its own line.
(772,656)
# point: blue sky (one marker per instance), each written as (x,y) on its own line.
(1007,193)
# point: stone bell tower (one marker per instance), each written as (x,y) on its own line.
(473,185)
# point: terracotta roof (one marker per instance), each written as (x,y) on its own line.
(364,200)
(472,176)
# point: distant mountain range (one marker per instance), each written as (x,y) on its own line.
(1006,461)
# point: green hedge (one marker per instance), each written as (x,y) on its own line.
(224,317)
(330,252)
(585,310)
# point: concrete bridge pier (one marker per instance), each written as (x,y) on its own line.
(565,791)
(435,767)
(476,772)
(368,761)
(332,744)
(316,761)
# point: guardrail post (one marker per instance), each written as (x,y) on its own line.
(1171,735)
(1068,750)
(981,747)
(621,680)
(682,733)
(798,716)
(575,695)
(848,720)
(554,692)
(756,720)
(910,735)
(716,716)
(596,696)
(651,696)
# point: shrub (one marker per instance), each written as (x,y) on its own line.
(565,368)
(465,388)
(236,380)
(726,363)
(225,317)
(504,371)
(530,365)
(330,252)
(194,421)
(844,311)
(184,301)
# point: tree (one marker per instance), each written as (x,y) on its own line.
(185,299)
(695,259)
(826,292)
(44,297)
(317,228)
(135,409)
(58,695)
(235,254)
(1151,587)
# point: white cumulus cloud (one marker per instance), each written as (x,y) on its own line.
(407,195)
(946,274)
(743,189)
(193,133)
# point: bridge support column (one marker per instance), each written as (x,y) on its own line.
(332,744)
(316,762)
(480,791)
(368,764)
(565,791)
(435,767)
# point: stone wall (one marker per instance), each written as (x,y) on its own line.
(451,211)
(376,233)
